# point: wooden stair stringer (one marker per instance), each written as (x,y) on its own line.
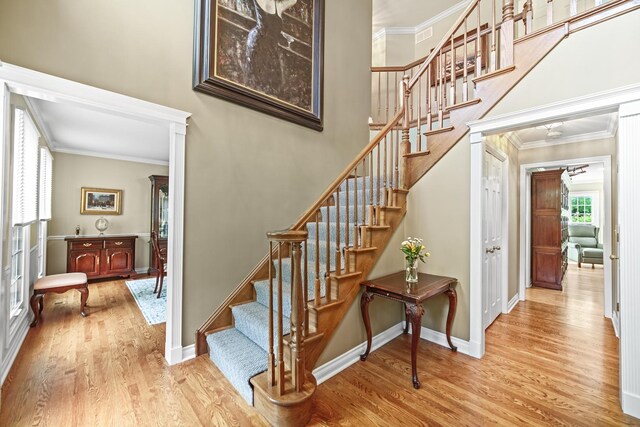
(527,54)
(349,289)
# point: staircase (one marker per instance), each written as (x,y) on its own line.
(267,336)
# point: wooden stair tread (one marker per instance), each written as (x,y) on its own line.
(224,328)
(376,227)
(364,250)
(437,131)
(312,337)
(494,74)
(346,275)
(324,305)
(418,154)
(238,304)
(400,191)
(463,104)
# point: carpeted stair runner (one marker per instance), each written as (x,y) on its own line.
(240,352)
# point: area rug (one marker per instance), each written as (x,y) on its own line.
(153,309)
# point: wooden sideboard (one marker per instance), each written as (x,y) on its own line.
(102,256)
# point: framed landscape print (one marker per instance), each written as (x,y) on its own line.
(100,201)
(263,54)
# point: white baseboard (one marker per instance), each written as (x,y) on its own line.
(142,270)
(440,338)
(14,347)
(615,319)
(513,302)
(342,362)
(630,404)
(188,352)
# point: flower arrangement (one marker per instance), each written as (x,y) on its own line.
(413,250)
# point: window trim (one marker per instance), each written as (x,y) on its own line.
(595,206)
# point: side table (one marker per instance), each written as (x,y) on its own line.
(395,287)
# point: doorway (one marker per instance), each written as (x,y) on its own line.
(32,84)
(603,235)
(495,269)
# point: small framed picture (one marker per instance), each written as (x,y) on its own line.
(100,201)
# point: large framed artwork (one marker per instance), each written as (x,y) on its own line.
(263,54)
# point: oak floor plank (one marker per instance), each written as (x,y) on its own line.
(552,361)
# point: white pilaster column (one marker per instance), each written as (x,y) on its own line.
(629,206)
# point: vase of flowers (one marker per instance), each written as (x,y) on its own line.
(413,250)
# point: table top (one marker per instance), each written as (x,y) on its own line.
(428,286)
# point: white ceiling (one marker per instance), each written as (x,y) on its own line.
(582,129)
(407,13)
(593,173)
(77,130)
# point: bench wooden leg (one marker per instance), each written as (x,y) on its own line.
(84,294)
(36,306)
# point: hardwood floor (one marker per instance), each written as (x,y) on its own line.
(552,361)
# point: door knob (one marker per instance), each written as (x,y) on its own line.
(497,248)
(613,257)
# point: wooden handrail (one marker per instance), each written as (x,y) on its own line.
(302,221)
(456,26)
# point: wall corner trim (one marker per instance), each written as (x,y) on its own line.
(14,346)
(513,302)
(630,404)
(188,352)
(342,362)
(440,338)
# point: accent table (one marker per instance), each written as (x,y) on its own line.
(395,287)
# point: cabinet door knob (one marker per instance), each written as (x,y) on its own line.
(86,245)
(118,243)
(497,248)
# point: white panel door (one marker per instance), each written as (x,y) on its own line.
(492,239)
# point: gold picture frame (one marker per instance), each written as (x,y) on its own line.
(100,201)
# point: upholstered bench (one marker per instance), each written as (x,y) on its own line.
(58,283)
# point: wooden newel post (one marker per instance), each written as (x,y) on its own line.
(506,34)
(405,145)
(297,320)
(277,377)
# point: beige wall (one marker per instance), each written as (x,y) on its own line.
(438,212)
(246,172)
(71,172)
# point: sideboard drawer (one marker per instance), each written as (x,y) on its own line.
(86,244)
(117,243)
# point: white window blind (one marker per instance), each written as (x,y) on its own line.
(46,172)
(25,170)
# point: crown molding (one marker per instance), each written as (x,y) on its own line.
(514,139)
(37,117)
(110,156)
(423,25)
(583,137)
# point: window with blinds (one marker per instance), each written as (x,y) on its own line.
(46,171)
(25,170)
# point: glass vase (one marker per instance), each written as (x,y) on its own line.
(412,271)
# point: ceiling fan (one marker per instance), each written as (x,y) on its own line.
(552,131)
